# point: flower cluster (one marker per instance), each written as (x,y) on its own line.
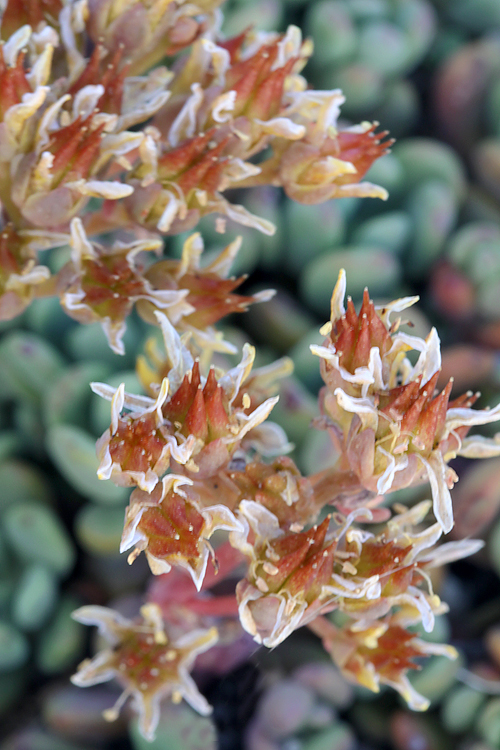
(66,136)
(248,96)
(196,455)
(106,152)
(195,425)
(391,427)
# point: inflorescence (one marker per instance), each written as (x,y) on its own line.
(104,149)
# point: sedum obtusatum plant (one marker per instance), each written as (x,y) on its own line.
(106,149)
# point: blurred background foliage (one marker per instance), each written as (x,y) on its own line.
(429,72)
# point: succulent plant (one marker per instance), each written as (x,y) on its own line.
(301,711)
(180,727)
(437,235)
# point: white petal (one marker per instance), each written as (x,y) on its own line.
(34,275)
(423,541)
(429,361)
(364,190)
(165,298)
(416,598)
(169,212)
(94,672)
(131,401)
(114,332)
(384,483)
(270,439)
(81,248)
(241,215)
(478,446)
(184,125)
(442,505)
(368,588)
(192,251)
(437,649)
(192,695)
(328,353)
(223,106)
(411,517)
(111,190)
(15,43)
(337,308)
(320,108)
(178,354)
(119,144)
(282,127)
(49,116)
(107,620)
(255,418)
(16,116)
(40,71)
(149,713)
(143,110)
(264,523)
(288,47)
(220,517)
(197,571)
(236,170)
(461,417)
(220,60)
(231,382)
(85,100)
(182,453)
(398,305)
(363,407)
(223,262)
(415,701)
(117,403)
(451,551)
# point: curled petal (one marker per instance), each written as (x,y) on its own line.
(442,504)
(478,446)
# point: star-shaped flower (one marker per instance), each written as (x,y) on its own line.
(382,653)
(173,528)
(145,661)
(107,282)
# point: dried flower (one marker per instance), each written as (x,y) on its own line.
(56,157)
(382,654)
(280,488)
(173,528)
(145,661)
(325,162)
(177,186)
(295,576)
(209,293)
(229,102)
(105,283)
(314,174)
